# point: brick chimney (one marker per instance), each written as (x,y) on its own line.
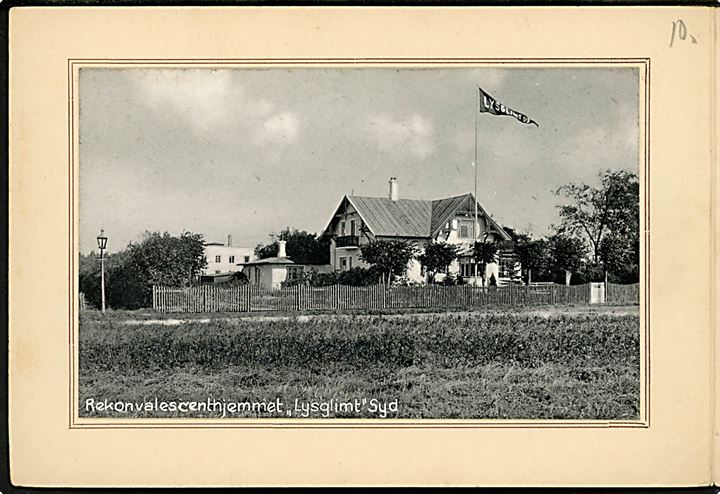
(393,189)
(229,242)
(281,248)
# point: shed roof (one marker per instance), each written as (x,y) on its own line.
(268,260)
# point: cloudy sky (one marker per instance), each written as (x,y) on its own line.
(251,151)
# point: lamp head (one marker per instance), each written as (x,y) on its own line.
(102,240)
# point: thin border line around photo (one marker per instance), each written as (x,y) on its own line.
(75,422)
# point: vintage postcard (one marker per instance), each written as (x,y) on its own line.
(395,307)
(447,248)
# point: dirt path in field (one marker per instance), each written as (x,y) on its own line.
(540,312)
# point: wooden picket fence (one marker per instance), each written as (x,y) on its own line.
(622,294)
(249,298)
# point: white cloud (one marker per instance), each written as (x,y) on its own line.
(395,134)
(281,128)
(201,97)
(208,100)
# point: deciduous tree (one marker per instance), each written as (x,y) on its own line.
(567,254)
(533,256)
(484,253)
(389,257)
(302,247)
(437,257)
(592,213)
(160,259)
(620,259)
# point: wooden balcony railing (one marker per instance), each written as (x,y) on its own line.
(347,241)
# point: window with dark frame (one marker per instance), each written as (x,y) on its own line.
(294,272)
(467,267)
(465,229)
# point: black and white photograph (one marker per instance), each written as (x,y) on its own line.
(378,242)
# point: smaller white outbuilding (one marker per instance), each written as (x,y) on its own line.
(271,272)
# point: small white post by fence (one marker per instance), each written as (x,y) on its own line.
(597,293)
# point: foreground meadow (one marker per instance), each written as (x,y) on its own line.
(551,364)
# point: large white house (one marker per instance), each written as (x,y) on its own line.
(358,220)
(226,258)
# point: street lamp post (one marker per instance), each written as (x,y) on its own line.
(102,244)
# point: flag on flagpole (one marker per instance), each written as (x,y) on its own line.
(488,104)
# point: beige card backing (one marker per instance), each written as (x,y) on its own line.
(670,445)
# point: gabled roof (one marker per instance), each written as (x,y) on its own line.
(385,217)
(444,209)
(412,217)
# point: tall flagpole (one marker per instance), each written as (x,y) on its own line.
(475,163)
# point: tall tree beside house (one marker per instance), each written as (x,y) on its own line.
(484,253)
(301,246)
(437,257)
(389,257)
(567,254)
(609,211)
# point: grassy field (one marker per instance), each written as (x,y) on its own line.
(570,363)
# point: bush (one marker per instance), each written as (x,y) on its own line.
(405,281)
(159,259)
(238,278)
(452,279)
(354,277)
